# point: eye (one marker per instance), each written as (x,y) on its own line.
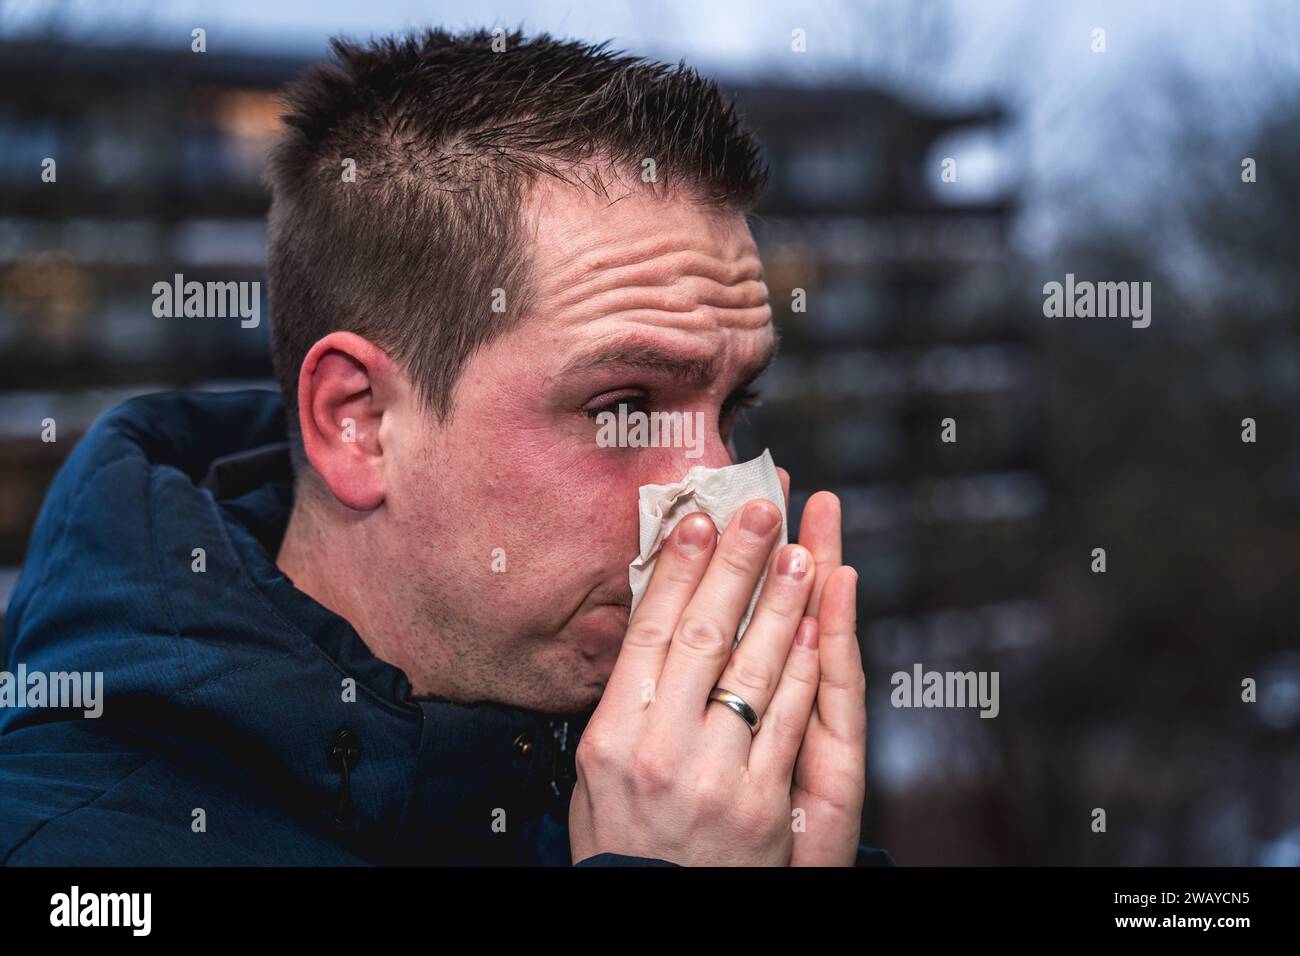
(741,399)
(633,403)
(734,407)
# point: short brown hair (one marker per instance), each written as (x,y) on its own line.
(445,133)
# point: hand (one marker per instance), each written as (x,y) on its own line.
(664,772)
(830,775)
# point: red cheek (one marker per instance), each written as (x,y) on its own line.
(553,479)
(592,495)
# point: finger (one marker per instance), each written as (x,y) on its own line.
(841,692)
(681,565)
(819,532)
(776,745)
(706,631)
(754,671)
(784,477)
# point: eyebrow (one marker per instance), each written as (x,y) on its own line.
(632,355)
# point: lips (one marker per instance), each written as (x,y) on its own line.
(603,628)
(615,594)
(608,610)
(616,609)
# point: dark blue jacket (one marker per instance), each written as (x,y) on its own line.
(225,737)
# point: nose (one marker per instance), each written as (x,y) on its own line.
(714,452)
(706,447)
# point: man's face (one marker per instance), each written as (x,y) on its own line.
(514,525)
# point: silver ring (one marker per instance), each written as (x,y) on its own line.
(737,703)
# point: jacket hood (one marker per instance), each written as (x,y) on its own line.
(153,562)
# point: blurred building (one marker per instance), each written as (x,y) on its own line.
(157,162)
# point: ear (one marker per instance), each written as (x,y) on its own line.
(345,386)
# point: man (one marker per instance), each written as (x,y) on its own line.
(371,623)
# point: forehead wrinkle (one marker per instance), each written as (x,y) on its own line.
(718,306)
(606,296)
(658,255)
(664,266)
(701,319)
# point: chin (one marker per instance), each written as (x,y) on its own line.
(574,693)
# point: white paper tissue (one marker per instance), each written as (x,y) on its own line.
(719,493)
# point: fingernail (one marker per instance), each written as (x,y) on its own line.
(806,636)
(696,534)
(792,563)
(759,518)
